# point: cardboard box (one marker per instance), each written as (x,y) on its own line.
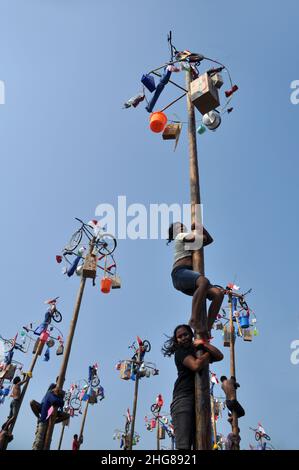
(90,267)
(204,95)
(171,131)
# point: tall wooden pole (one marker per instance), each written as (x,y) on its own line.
(67,352)
(202,381)
(61,435)
(83,423)
(134,404)
(25,386)
(213,419)
(235,427)
(158,433)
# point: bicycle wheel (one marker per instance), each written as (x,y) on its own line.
(268,438)
(95,381)
(146,345)
(153,408)
(74,241)
(75,403)
(106,244)
(257,436)
(57,316)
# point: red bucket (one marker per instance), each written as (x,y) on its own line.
(158,121)
(106,285)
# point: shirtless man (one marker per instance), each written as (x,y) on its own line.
(15,403)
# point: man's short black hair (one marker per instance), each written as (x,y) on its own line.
(16,380)
(75,436)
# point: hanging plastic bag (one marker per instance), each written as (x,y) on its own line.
(73,267)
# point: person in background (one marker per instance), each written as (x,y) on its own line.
(77,442)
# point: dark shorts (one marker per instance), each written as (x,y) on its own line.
(184,279)
(182,411)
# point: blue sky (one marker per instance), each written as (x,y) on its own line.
(67,145)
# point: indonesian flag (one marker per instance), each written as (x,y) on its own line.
(214,379)
(14,341)
(159,400)
(129,417)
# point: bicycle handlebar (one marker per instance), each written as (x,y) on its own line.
(81,221)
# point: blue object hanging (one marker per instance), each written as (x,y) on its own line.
(8,357)
(160,87)
(41,328)
(73,267)
(244,321)
(149,82)
(47,355)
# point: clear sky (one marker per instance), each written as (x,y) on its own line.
(67,145)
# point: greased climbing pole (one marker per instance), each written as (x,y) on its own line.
(202,381)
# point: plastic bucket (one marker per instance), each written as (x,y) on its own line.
(106,285)
(244,321)
(158,121)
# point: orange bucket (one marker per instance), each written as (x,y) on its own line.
(106,285)
(158,121)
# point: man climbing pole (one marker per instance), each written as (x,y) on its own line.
(191,282)
(53,397)
(15,403)
(229,386)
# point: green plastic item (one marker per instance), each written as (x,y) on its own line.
(201,129)
(255,332)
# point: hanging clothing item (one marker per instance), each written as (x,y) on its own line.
(47,355)
(134,101)
(160,87)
